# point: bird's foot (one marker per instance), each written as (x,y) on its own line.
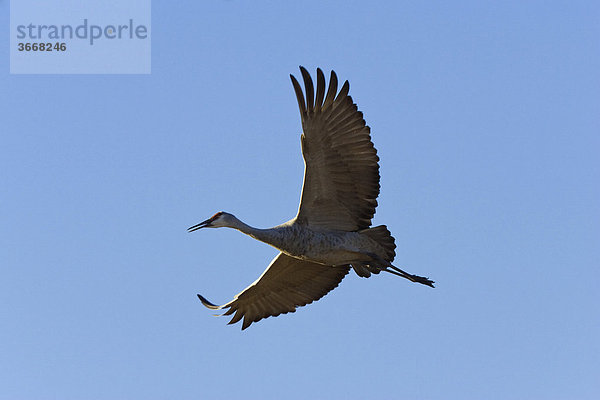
(423,280)
(413,278)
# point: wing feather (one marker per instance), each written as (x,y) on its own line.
(331,91)
(320,89)
(286,284)
(299,94)
(310,91)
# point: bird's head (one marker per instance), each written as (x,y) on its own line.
(218,220)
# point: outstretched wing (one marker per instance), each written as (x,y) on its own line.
(286,284)
(341,175)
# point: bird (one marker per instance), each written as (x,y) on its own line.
(332,231)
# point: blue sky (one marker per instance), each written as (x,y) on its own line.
(486,118)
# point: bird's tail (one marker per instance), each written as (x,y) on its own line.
(384,238)
(385,255)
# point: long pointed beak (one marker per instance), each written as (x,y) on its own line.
(203,224)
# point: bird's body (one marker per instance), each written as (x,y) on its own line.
(327,247)
(332,230)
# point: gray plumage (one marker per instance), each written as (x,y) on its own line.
(331,231)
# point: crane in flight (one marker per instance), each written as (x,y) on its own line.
(332,230)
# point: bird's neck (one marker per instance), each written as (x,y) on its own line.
(270,236)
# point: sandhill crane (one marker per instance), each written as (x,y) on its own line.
(331,231)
